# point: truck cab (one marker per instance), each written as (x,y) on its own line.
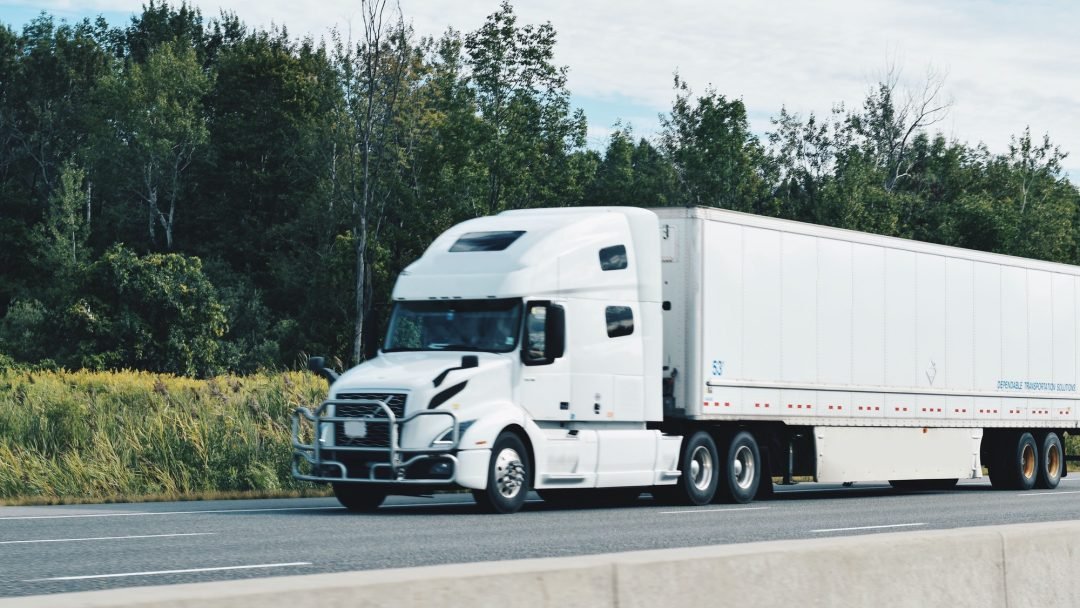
(523,351)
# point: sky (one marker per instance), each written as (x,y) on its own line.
(1008,64)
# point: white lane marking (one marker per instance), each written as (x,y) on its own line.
(72,540)
(868,528)
(144,513)
(728,510)
(152,573)
(1050,493)
(449,504)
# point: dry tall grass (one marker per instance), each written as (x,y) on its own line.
(77,436)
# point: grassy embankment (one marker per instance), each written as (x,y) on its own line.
(95,437)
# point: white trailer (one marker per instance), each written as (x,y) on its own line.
(596,353)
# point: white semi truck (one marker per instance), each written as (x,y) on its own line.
(593,354)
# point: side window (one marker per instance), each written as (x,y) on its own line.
(613,258)
(620,321)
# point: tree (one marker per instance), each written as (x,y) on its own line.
(1033,199)
(158,124)
(64,232)
(887,127)
(156,312)
(717,160)
(632,174)
(372,75)
(528,130)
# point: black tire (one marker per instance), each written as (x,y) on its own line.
(1016,465)
(1051,462)
(359,498)
(700,466)
(923,485)
(509,476)
(740,470)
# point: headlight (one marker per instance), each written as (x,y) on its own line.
(447,436)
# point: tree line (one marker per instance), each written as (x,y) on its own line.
(194,196)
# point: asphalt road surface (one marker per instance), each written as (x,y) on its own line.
(80,548)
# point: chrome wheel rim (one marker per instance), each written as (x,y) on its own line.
(701,467)
(1027,461)
(1053,462)
(743,467)
(509,473)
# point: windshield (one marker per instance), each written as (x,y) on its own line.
(472,325)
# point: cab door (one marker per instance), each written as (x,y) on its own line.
(545,377)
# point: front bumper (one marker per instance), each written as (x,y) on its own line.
(436,465)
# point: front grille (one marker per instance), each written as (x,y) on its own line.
(377,433)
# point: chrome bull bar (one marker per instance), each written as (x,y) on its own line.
(398,459)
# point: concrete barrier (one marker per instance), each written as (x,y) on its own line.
(1006,566)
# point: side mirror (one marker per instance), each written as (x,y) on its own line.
(545,333)
(555,332)
(318,365)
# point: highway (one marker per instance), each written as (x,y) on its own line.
(59,549)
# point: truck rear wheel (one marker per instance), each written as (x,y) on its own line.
(699,464)
(358,498)
(1016,462)
(1051,462)
(508,476)
(740,471)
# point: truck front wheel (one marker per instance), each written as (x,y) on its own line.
(740,473)
(508,476)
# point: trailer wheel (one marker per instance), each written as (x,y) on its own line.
(508,476)
(699,464)
(1016,466)
(740,474)
(358,498)
(1051,462)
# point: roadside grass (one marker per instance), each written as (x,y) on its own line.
(76,437)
